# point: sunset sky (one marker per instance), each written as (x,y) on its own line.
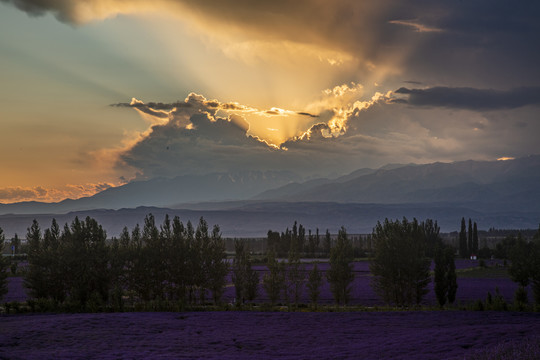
(96,93)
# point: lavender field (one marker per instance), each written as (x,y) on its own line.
(259,335)
(470,289)
(450,334)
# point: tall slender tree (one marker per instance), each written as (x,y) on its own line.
(192,261)
(15,244)
(244,277)
(217,267)
(327,244)
(314,284)
(164,252)
(4,263)
(475,239)
(35,279)
(274,279)
(203,255)
(294,275)
(463,239)
(470,239)
(53,252)
(340,275)
(179,253)
(445,275)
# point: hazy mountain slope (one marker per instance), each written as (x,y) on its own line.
(467,181)
(288,190)
(255,219)
(166,192)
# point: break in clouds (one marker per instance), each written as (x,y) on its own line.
(347,132)
(470,69)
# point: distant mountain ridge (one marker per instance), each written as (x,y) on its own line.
(500,194)
(165,192)
(514,182)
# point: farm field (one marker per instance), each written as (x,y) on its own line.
(261,335)
(473,284)
(450,334)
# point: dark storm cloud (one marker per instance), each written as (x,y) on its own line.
(459,49)
(195,140)
(483,44)
(472,99)
(209,145)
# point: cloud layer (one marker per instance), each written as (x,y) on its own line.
(457,43)
(472,99)
(470,70)
(201,136)
(38,193)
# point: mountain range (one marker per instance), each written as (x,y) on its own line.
(501,194)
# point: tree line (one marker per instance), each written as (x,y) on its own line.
(468,240)
(78,267)
(173,262)
(309,245)
(187,265)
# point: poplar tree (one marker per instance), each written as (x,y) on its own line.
(217,267)
(294,275)
(340,275)
(153,259)
(179,260)
(191,261)
(445,275)
(137,269)
(463,239)
(475,239)
(4,264)
(327,244)
(35,279)
(470,239)
(274,279)
(53,251)
(314,284)
(16,244)
(201,253)
(86,258)
(244,278)
(400,268)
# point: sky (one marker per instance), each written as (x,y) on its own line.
(98,93)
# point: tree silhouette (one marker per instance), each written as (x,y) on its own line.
(470,239)
(4,264)
(244,278)
(314,284)
(340,275)
(445,275)
(274,279)
(463,239)
(400,268)
(475,239)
